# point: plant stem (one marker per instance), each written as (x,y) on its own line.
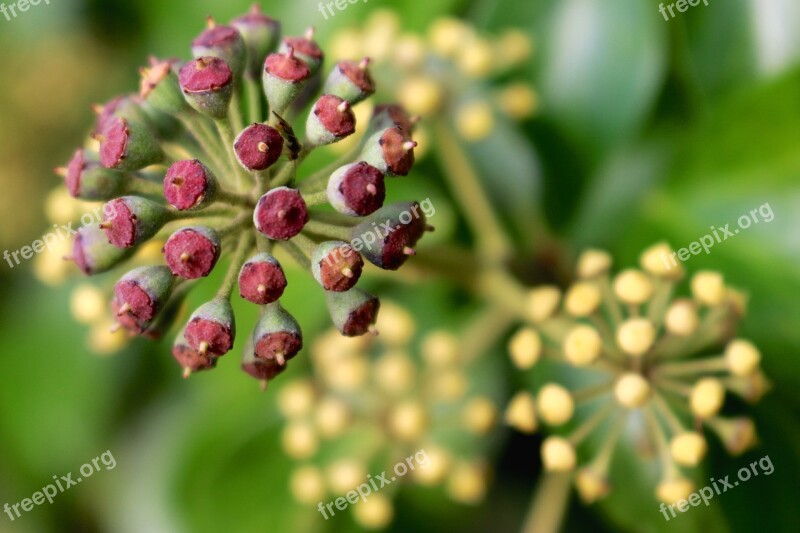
(254,99)
(233,198)
(465,185)
(205,138)
(239,256)
(296,252)
(316,198)
(549,504)
(287,171)
(225,131)
(326,230)
(142,186)
(334,218)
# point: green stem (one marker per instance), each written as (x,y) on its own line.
(233,198)
(237,224)
(239,256)
(334,218)
(209,143)
(225,131)
(235,111)
(297,253)
(262,182)
(466,187)
(549,504)
(287,171)
(326,230)
(254,99)
(315,199)
(484,331)
(142,186)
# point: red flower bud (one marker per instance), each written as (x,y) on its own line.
(189,184)
(261,279)
(280,214)
(211,328)
(207,84)
(336,266)
(330,120)
(356,189)
(258,146)
(192,252)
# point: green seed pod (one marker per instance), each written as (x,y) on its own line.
(160,88)
(277,335)
(284,78)
(387,237)
(88,180)
(353,312)
(128,145)
(131,220)
(207,85)
(212,327)
(260,34)
(350,81)
(336,266)
(140,295)
(92,252)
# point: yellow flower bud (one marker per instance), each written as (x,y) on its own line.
(582,345)
(582,299)
(670,491)
(420,95)
(632,390)
(88,304)
(521,412)
(593,263)
(103,341)
(375,513)
(479,415)
(345,475)
(555,404)
(707,397)
(525,348)
(299,440)
(332,416)
(307,485)
(438,466)
(296,398)
(636,336)
(518,100)
(542,303)
(440,349)
(408,421)
(742,357)
(395,324)
(658,261)
(558,455)
(467,483)
(475,58)
(409,51)
(633,287)
(591,484)
(447,35)
(474,121)
(688,448)
(394,371)
(708,288)
(681,318)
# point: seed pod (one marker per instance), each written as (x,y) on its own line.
(260,34)
(166,318)
(192,252)
(336,266)
(223,42)
(88,180)
(261,279)
(128,107)
(280,214)
(160,87)
(212,328)
(389,115)
(391,151)
(127,145)
(207,85)
(92,252)
(331,119)
(261,369)
(189,184)
(357,189)
(389,234)
(258,146)
(139,296)
(350,81)
(304,48)
(131,220)
(189,359)
(284,78)
(277,335)
(353,312)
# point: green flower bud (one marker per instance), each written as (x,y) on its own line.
(260,34)
(92,252)
(127,145)
(160,87)
(88,180)
(350,81)
(212,327)
(336,266)
(284,78)
(389,234)
(223,42)
(131,220)
(305,48)
(391,151)
(140,295)
(207,85)
(354,312)
(277,335)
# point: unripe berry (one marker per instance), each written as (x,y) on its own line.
(207,85)
(192,252)
(280,214)
(277,335)
(330,120)
(357,189)
(525,348)
(263,370)
(632,390)
(258,147)
(391,151)
(212,328)
(92,252)
(140,295)
(707,397)
(389,234)
(350,81)
(189,184)
(542,302)
(582,345)
(555,404)
(160,87)
(88,180)
(284,78)
(131,220)
(633,287)
(260,34)
(388,116)
(558,455)
(737,434)
(189,359)
(223,42)
(636,336)
(670,491)
(304,48)
(657,261)
(127,145)
(681,318)
(261,279)
(521,412)
(742,357)
(353,312)
(582,299)
(336,266)
(688,449)
(708,288)
(593,264)
(128,107)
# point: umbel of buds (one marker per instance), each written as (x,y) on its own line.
(205,165)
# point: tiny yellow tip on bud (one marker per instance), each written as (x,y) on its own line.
(555,404)
(262,147)
(558,455)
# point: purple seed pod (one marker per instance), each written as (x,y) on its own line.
(127,145)
(88,180)
(331,119)
(139,296)
(391,151)
(336,266)
(212,328)
(131,220)
(350,81)
(260,34)
(357,189)
(389,234)
(388,115)
(263,370)
(354,312)
(160,87)
(207,85)
(92,252)
(223,42)
(190,359)
(306,49)
(258,146)
(128,107)
(280,214)
(284,78)
(192,252)
(165,318)
(261,279)
(277,335)
(189,184)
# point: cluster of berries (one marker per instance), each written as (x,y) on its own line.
(177,163)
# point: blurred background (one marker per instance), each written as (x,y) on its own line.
(632,130)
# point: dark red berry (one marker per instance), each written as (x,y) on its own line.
(211,328)
(188,184)
(350,80)
(277,335)
(92,252)
(192,252)
(131,220)
(336,266)
(258,146)
(354,312)
(286,67)
(139,295)
(207,84)
(261,279)
(280,214)
(189,358)
(331,119)
(398,151)
(357,189)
